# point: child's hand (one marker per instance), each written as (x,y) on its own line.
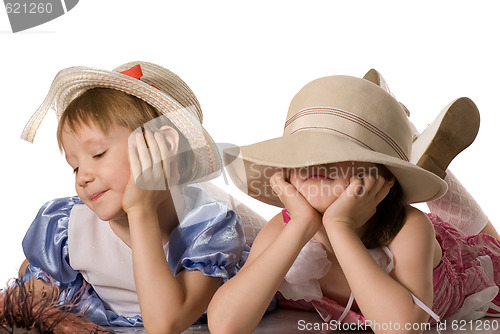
(148,171)
(358,202)
(298,207)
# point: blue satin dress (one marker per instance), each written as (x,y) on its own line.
(208,238)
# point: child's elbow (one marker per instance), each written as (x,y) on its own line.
(220,323)
(400,326)
(394,328)
(223,327)
(158,329)
(163,326)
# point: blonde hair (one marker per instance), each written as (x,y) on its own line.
(105,107)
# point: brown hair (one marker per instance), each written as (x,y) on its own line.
(389,218)
(105,107)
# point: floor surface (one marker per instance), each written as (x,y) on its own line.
(289,322)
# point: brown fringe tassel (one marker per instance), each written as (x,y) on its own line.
(22,310)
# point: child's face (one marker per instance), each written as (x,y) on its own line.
(101,166)
(322,185)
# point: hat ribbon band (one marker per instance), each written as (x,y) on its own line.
(302,120)
(136,73)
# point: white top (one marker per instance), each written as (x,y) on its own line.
(103,259)
(301,281)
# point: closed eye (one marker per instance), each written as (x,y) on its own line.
(100,155)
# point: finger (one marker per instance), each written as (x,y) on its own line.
(135,164)
(155,156)
(380,181)
(154,150)
(384,190)
(277,183)
(143,152)
(162,146)
(369,182)
(286,192)
(159,171)
(356,187)
(374,183)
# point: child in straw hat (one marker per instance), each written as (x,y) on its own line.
(150,251)
(348,244)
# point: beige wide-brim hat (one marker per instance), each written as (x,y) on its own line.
(149,82)
(335,119)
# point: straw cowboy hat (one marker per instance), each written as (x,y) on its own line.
(149,82)
(336,119)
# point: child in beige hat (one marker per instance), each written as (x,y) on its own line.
(348,244)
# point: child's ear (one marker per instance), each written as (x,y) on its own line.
(171,139)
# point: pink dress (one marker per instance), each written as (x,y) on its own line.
(466,282)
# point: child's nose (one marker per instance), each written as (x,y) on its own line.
(85,176)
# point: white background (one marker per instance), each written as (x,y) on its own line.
(245,61)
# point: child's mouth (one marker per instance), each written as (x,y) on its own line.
(96,196)
(318,177)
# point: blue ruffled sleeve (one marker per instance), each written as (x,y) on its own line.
(46,243)
(210,238)
(46,248)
